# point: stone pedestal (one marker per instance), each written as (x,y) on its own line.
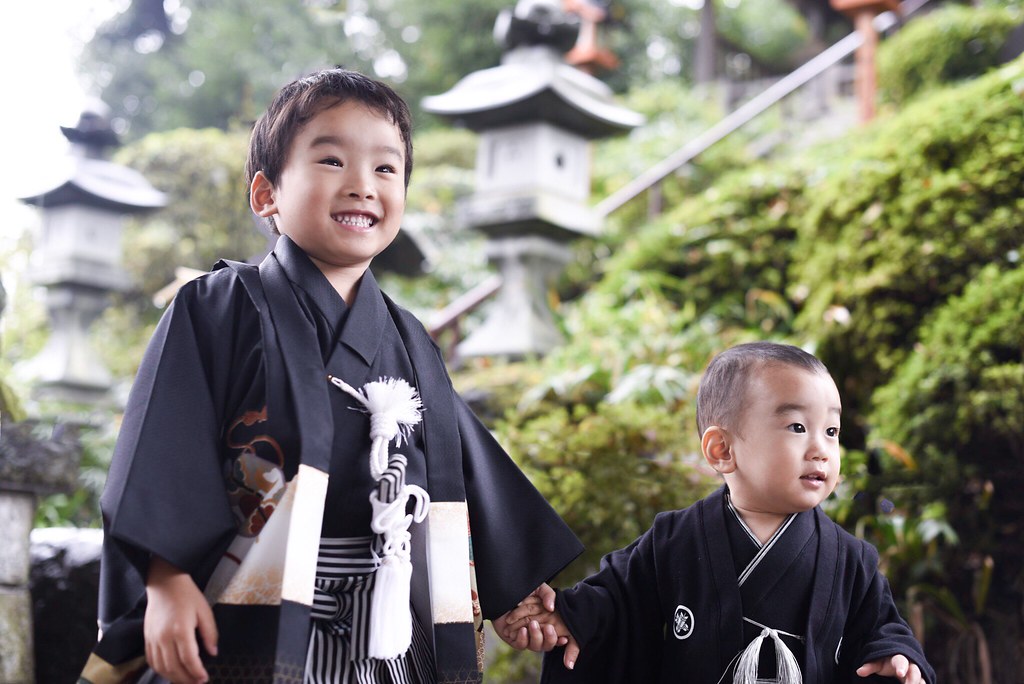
(520,323)
(17,511)
(29,467)
(68,368)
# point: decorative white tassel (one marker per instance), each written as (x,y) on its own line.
(787,669)
(390,617)
(394,408)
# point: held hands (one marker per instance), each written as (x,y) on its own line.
(175,610)
(535,624)
(896,666)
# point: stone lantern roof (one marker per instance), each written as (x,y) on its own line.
(525,88)
(84,178)
(534,83)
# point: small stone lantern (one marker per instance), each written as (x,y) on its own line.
(535,115)
(78,256)
(863,13)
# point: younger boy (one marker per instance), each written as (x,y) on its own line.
(696,597)
(253,472)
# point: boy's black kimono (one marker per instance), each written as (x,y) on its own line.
(670,607)
(219,391)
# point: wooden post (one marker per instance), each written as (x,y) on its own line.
(863,13)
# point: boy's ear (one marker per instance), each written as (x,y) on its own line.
(715,446)
(261,196)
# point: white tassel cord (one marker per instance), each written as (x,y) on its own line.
(787,669)
(390,617)
(394,408)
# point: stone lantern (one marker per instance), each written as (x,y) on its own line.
(863,13)
(78,256)
(535,115)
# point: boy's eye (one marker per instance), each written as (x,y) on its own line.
(832,432)
(331,161)
(386,168)
(797,427)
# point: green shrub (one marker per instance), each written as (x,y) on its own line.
(929,199)
(950,44)
(725,251)
(608,470)
(954,412)
(207,216)
(956,406)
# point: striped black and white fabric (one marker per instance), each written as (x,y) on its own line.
(341,618)
(342,599)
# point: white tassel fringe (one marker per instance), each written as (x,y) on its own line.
(390,617)
(787,669)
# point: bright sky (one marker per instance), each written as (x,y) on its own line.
(39,44)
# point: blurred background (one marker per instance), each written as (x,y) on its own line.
(829,174)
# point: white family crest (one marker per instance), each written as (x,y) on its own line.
(682,622)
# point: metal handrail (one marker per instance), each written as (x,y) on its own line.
(749,111)
(448,317)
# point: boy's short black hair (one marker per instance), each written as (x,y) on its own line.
(302,99)
(724,384)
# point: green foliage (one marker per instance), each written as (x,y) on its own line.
(912,216)
(950,44)
(651,338)
(957,404)
(772,32)
(219,67)
(608,470)
(451,40)
(207,216)
(726,251)
(81,508)
(676,114)
(954,410)
(222,60)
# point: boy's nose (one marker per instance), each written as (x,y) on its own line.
(358,186)
(360,192)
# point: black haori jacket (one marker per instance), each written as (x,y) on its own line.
(232,401)
(669,607)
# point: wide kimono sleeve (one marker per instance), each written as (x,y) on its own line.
(874,628)
(615,619)
(519,541)
(165,491)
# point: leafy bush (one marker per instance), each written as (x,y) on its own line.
(930,198)
(950,44)
(954,411)
(207,216)
(608,470)
(725,251)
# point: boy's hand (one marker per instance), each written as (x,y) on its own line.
(534,636)
(897,666)
(530,633)
(538,604)
(175,610)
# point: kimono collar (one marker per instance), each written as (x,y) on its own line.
(367,313)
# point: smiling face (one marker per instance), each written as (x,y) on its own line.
(341,192)
(783,453)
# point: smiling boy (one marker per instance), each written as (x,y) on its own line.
(697,596)
(252,471)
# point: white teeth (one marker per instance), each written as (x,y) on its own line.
(357,220)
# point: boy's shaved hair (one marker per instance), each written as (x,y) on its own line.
(724,384)
(301,100)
